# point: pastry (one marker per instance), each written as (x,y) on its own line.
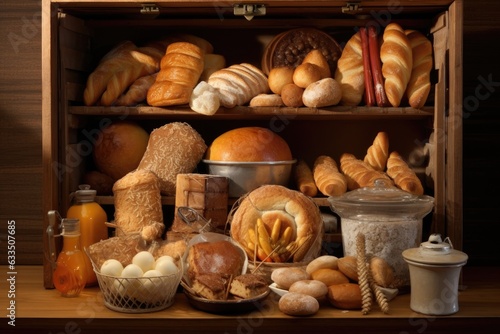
(419,85)
(350,72)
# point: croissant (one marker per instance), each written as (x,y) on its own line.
(350,72)
(327,176)
(358,173)
(180,69)
(396,56)
(119,68)
(419,85)
(404,177)
(378,152)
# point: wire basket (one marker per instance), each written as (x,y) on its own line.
(138,295)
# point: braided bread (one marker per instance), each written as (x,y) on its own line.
(396,56)
(378,152)
(404,177)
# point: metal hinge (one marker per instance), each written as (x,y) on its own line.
(352,8)
(150,9)
(249,10)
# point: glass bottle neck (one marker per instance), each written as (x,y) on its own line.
(71,242)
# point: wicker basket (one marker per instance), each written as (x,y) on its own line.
(138,295)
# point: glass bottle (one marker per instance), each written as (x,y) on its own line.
(70,272)
(92,219)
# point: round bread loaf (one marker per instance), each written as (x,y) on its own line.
(291,94)
(313,288)
(249,144)
(295,304)
(291,207)
(345,296)
(329,276)
(324,261)
(284,277)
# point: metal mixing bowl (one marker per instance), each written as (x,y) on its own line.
(247,176)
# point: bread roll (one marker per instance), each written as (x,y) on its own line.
(306,73)
(322,262)
(138,207)
(350,72)
(327,176)
(322,93)
(349,267)
(345,296)
(382,273)
(358,173)
(172,149)
(396,56)
(419,86)
(284,277)
(267,100)
(377,154)
(291,94)
(304,179)
(317,58)
(313,288)
(279,77)
(249,144)
(181,67)
(294,210)
(404,177)
(298,304)
(329,276)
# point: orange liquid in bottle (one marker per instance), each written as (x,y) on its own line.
(70,273)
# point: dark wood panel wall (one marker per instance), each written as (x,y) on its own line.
(20,129)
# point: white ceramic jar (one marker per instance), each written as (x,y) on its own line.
(434,274)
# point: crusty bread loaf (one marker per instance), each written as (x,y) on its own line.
(329,276)
(419,85)
(304,179)
(284,277)
(218,257)
(327,176)
(310,287)
(138,207)
(377,154)
(172,149)
(349,73)
(137,92)
(358,173)
(404,177)
(180,69)
(322,93)
(116,71)
(396,56)
(345,296)
(298,304)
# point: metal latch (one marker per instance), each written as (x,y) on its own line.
(150,9)
(249,10)
(352,8)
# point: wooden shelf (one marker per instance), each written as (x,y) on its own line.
(41,310)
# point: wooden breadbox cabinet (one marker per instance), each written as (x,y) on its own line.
(76,34)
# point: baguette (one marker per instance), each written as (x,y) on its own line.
(350,72)
(404,177)
(304,179)
(419,85)
(358,173)
(328,178)
(377,154)
(396,56)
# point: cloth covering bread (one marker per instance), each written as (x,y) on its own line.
(419,85)
(397,62)
(172,149)
(292,208)
(350,72)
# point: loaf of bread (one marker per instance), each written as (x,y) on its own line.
(180,69)
(304,179)
(396,56)
(327,176)
(298,304)
(345,296)
(116,71)
(322,93)
(329,276)
(284,277)
(172,149)
(350,72)
(419,85)
(377,154)
(238,84)
(138,206)
(137,92)
(403,176)
(210,286)
(248,286)
(310,287)
(358,173)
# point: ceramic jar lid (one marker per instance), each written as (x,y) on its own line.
(435,252)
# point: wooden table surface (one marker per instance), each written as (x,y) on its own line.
(41,310)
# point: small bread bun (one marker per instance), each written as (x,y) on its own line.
(345,296)
(266,100)
(306,73)
(329,276)
(316,57)
(322,93)
(322,262)
(313,288)
(291,94)
(298,304)
(284,277)
(279,77)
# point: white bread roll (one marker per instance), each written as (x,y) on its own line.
(322,93)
